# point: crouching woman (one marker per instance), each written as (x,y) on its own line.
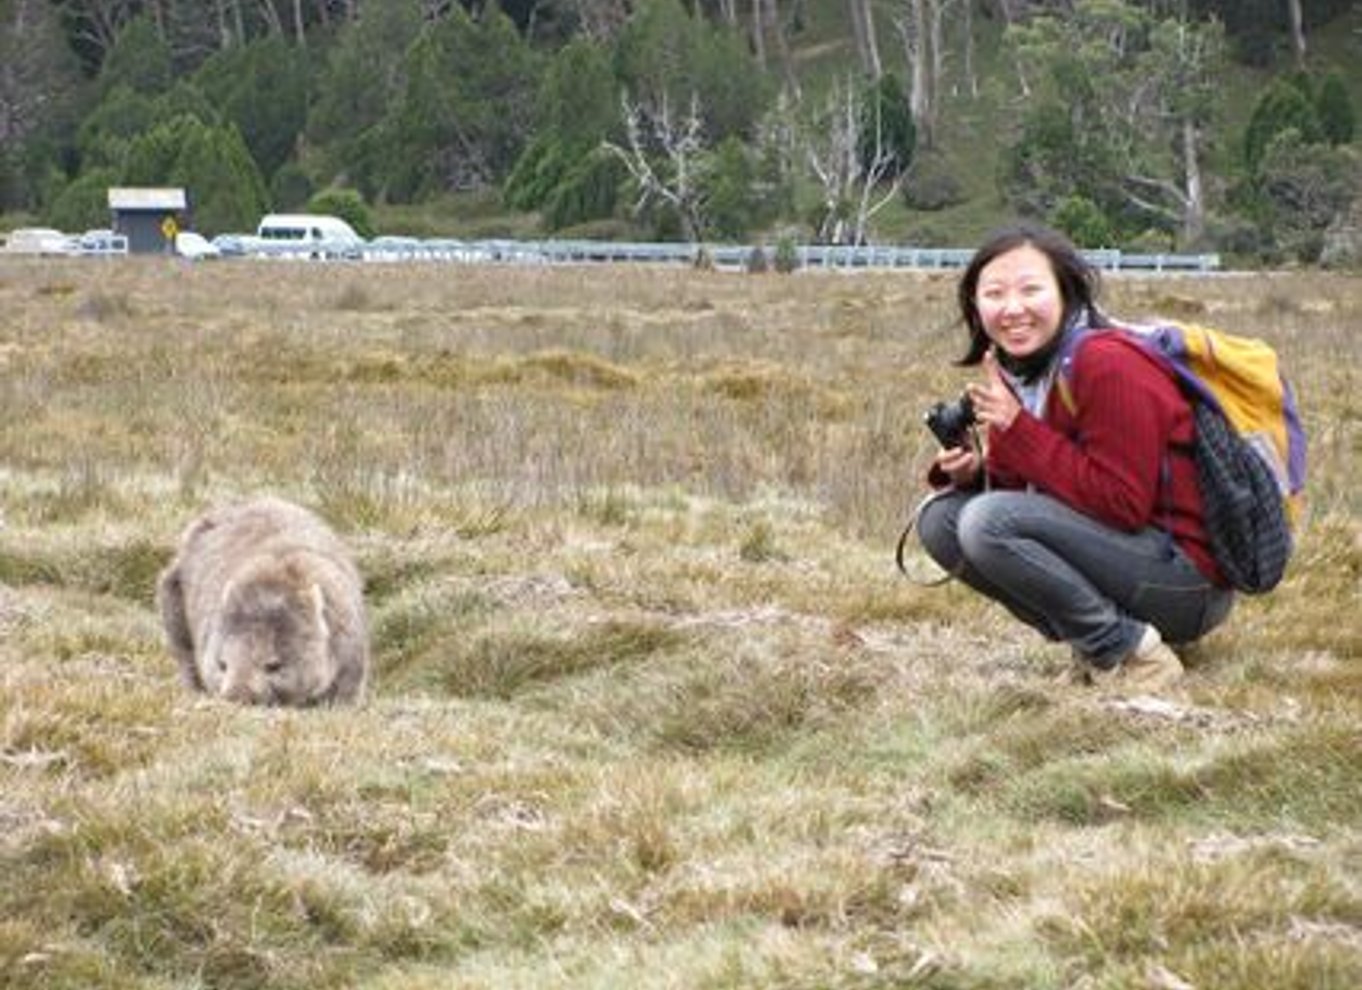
(1079,513)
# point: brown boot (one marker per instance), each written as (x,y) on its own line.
(1151,668)
(1079,673)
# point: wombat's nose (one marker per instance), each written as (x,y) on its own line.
(243,689)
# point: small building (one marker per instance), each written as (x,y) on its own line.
(149,218)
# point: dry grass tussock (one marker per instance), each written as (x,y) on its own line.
(653,708)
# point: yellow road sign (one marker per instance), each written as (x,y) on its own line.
(169,228)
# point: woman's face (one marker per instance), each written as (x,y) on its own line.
(1019,301)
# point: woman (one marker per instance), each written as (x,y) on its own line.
(1081,512)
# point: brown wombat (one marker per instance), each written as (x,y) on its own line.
(263,605)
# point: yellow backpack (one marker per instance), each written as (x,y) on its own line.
(1250,447)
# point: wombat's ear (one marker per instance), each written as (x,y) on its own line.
(319,609)
(196,529)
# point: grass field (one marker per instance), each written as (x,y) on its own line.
(653,707)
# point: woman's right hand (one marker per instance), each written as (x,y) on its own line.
(960,464)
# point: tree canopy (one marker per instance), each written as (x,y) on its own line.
(1115,119)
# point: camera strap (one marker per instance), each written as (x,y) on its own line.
(900,550)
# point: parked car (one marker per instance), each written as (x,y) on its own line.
(102,241)
(195,246)
(234,245)
(38,240)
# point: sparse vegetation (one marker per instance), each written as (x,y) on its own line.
(652,706)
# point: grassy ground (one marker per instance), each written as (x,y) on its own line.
(653,708)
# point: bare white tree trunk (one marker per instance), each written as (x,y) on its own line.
(299,22)
(921,28)
(782,48)
(912,30)
(1293,10)
(682,145)
(224,32)
(1194,211)
(853,189)
(271,16)
(863,26)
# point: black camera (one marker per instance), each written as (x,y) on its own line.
(950,421)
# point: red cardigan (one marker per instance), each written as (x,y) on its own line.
(1106,458)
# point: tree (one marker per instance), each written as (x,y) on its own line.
(736,198)
(1281,107)
(887,126)
(666,55)
(1124,109)
(1083,221)
(224,185)
(212,163)
(347,204)
(666,158)
(1334,107)
(83,203)
(863,30)
(139,59)
(1293,12)
(364,75)
(262,87)
(38,91)
(920,27)
(855,172)
(464,113)
(1302,187)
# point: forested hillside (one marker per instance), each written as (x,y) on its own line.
(1198,124)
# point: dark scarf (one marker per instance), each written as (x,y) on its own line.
(1028,369)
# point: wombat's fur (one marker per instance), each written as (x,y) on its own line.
(263,605)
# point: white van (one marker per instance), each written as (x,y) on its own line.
(38,240)
(306,235)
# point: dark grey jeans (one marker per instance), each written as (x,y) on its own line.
(1068,575)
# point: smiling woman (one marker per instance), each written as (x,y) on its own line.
(1084,520)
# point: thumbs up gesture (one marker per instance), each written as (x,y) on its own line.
(994,403)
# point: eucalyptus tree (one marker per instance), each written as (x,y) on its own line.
(854,159)
(562,171)
(1123,112)
(665,54)
(364,74)
(464,112)
(262,87)
(39,85)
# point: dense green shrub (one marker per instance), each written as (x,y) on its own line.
(1337,116)
(588,191)
(1084,222)
(787,255)
(291,187)
(932,185)
(84,202)
(347,204)
(1280,108)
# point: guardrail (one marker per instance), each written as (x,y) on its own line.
(722,256)
(728,257)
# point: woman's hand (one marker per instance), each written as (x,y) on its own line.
(960,464)
(994,403)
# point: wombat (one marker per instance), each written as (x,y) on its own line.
(263,605)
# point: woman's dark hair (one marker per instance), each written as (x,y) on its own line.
(1078,281)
